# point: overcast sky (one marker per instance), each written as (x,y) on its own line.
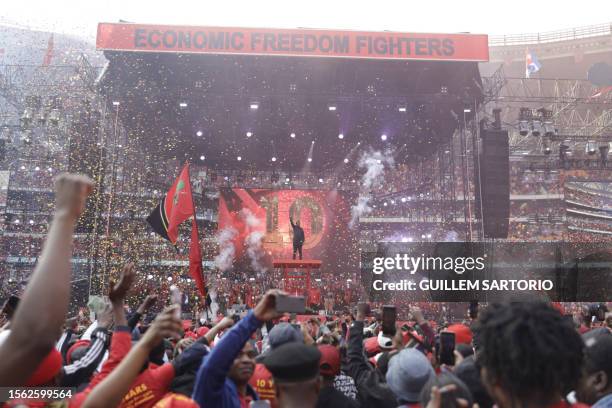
(477,16)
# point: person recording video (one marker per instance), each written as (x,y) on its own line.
(298,237)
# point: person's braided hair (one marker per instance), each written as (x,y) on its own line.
(529,349)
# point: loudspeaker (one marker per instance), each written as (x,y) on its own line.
(493,183)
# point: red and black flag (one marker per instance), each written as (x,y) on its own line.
(175,208)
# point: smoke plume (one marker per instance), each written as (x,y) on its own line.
(374,163)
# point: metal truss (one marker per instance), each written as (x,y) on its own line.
(579,113)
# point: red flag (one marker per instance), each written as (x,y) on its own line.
(49,53)
(175,208)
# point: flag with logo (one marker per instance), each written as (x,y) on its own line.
(173,209)
(532,65)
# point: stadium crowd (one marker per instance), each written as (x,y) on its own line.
(504,355)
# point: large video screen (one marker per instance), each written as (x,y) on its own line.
(257,223)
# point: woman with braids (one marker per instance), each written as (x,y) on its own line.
(530,355)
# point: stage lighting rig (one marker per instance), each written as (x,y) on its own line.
(591,148)
(524,118)
(604,149)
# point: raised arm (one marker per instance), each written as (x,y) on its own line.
(225,323)
(43,307)
(112,389)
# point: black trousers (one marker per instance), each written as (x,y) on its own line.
(297,247)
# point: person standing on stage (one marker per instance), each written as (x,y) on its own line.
(298,237)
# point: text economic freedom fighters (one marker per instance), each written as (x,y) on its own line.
(465,285)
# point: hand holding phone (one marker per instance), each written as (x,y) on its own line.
(447,348)
(389,315)
(290,304)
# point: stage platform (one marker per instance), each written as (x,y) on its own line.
(297,274)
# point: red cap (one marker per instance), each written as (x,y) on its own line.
(463,334)
(202,331)
(172,400)
(371,346)
(329,364)
(47,369)
(77,344)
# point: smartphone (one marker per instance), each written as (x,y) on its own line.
(447,348)
(260,404)
(389,315)
(290,304)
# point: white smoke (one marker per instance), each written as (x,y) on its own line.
(254,241)
(227,251)
(374,162)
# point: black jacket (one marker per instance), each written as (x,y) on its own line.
(298,234)
(372,391)
(329,397)
(81,371)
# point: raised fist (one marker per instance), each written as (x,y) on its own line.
(71,191)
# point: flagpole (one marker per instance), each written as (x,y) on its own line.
(195,225)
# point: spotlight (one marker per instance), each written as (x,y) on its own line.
(249,134)
(199,133)
(320,180)
(49,169)
(287,180)
(183,105)
(22,167)
(591,148)
(536,128)
(149,276)
(254,106)
(467,110)
(31,222)
(116,103)
(402,109)
(273,158)
(383,137)
(310,160)
(524,117)
(547,149)
(37,168)
(346,160)
(604,149)
(403,199)
(332,107)
(341,136)
(564,150)
(292,135)
(239,158)
(202,157)
(169,278)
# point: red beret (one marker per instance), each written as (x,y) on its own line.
(463,334)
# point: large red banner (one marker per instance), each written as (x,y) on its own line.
(292,42)
(323,215)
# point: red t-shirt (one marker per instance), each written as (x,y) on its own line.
(149,387)
(262,382)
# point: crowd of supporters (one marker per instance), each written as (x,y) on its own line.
(152,354)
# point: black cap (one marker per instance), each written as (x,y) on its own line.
(293,362)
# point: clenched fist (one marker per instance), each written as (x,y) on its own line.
(71,191)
